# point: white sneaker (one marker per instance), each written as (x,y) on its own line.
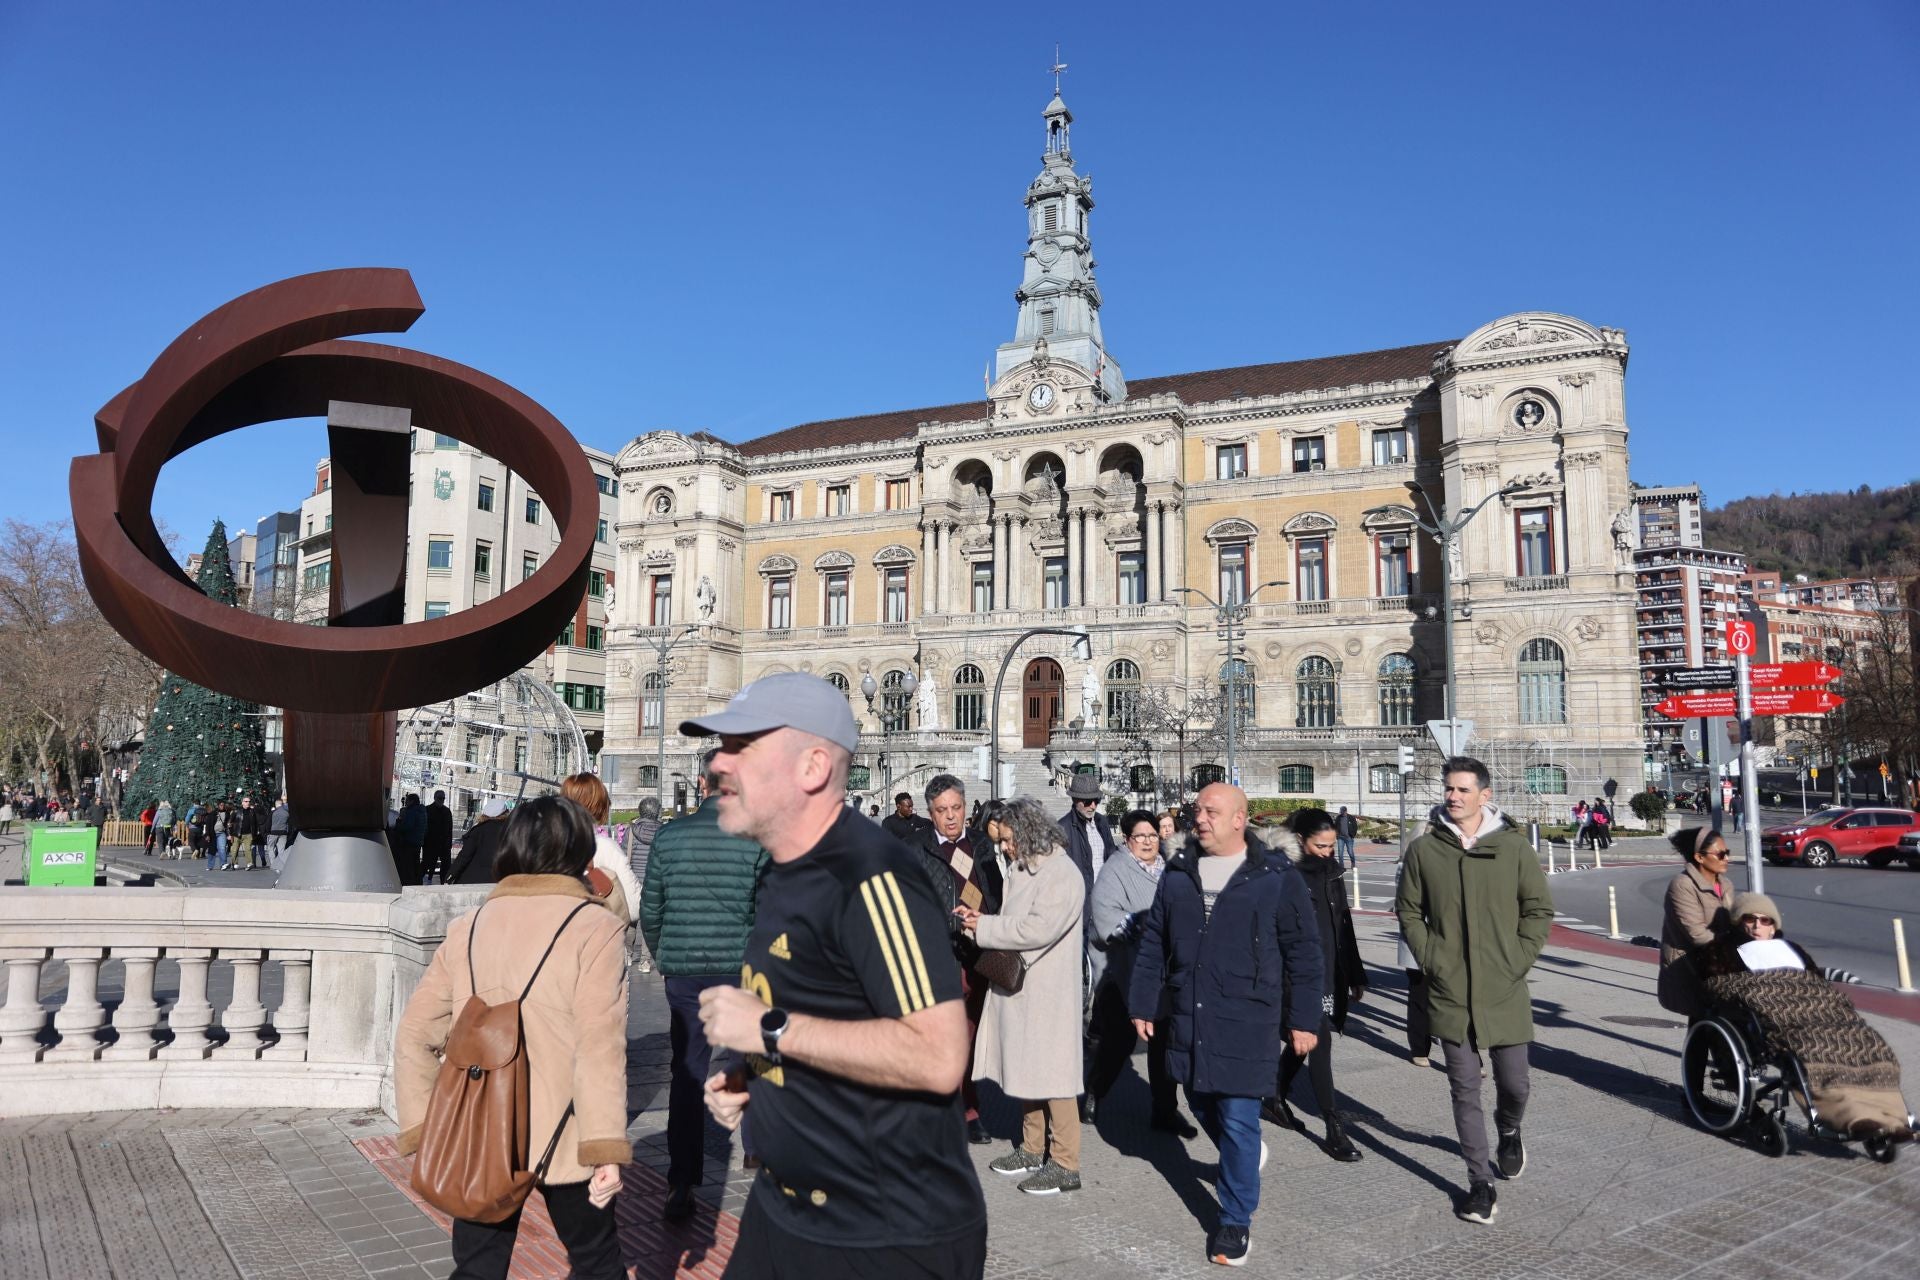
(1263,1155)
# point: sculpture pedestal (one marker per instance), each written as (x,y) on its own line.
(342,862)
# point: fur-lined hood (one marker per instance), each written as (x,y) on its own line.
(1281,840)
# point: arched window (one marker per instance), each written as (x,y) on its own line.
(649,775)
(896,704)
(839,682)
(1316,694)
(1385,778)
(1296,779)
(1546,780)
(1241,695)
(1543,683)
(969,698)
(651,689)
(1396,689)
(1205,775)
(1123,696)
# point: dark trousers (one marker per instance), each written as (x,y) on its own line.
(686,1091)
(1419,1015)
(1510,1086)
(484,1250)
(1319,1064)
(763,1251)
(1112,1043)
(973,988)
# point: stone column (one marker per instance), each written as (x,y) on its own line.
(81,1014)
(1015,541)
(295,1011)
(22,1017)
(1002,586)
(1150,549)
(929,579)
(1073,556)
(191,1015)
(1101,586)
(138,1013)
(1174,572)
(244,1014)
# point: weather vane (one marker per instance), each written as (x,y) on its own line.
(1057,67)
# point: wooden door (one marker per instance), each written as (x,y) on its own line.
(1041,692)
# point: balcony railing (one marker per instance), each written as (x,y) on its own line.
(1545,582)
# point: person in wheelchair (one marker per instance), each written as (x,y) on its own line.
(1771,991)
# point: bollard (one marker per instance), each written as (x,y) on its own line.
(1551,870)
(1613,914)
(1356,884)
(1596,858)
(1900,955)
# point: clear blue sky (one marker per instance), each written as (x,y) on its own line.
(739,217)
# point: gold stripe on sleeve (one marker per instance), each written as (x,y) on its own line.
(913,941)
(886,947)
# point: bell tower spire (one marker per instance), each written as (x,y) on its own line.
(1058,296)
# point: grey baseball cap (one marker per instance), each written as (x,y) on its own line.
(786,701)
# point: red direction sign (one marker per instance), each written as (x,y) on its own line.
(1795,673)
(1785,702)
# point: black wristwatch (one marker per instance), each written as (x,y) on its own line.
(773,1025)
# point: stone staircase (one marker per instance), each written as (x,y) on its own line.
(1030,778)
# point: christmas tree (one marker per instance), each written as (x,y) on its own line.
(202,745)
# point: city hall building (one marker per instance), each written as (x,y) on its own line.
(912,549)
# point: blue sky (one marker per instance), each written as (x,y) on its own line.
(738,217)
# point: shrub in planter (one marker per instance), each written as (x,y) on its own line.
(1648,806)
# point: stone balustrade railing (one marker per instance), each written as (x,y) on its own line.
(339,969)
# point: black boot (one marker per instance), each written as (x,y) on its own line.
(1339,1146)
(1278,1112)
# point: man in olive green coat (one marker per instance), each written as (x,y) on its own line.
(1475,911)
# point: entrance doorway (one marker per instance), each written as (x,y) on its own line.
(1041,690)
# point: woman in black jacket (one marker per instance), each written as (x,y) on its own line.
(1315,838)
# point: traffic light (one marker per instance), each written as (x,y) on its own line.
(1406,757)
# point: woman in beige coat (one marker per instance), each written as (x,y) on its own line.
(1696,915)
(575,1021)
(1030,1041)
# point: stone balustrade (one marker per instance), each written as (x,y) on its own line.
(274,995)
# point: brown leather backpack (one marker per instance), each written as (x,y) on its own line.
(472,1161)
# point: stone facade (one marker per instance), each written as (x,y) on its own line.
(927,541)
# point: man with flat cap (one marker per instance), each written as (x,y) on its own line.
(848,1012)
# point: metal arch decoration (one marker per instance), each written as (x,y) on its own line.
(279,352)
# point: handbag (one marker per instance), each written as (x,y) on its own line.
(472,1161)
(1007,970)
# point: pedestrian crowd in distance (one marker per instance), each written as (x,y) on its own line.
(841,988)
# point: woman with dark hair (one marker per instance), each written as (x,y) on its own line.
(1314,841)
(1696,916)
(538,939)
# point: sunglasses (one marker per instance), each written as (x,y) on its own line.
(1759,920)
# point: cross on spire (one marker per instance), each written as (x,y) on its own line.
(1057,67)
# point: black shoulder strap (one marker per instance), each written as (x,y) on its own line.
(540,1170)
(472,986)
(544,954)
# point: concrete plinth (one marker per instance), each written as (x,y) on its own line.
(341,862)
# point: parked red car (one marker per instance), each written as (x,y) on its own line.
(1819,838)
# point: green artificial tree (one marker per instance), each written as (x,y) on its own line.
(202,745)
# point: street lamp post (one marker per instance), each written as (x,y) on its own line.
(1446,533)
(1231,618)
(1083,649)
(662,643)
(869,686)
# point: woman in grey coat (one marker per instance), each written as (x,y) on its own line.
(1121,898)
(1029,1040)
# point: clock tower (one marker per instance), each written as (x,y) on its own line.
(1059,299)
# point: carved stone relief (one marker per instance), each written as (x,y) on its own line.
(1589,628)
(1488,633)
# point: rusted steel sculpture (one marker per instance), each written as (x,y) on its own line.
(278,353)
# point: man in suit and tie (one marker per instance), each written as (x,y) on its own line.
(964,873)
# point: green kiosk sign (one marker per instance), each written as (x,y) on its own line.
(61,855)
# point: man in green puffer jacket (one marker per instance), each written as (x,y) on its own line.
(1475,911)
(696,913)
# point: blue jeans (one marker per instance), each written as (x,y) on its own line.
(1234,1125)
(217,856)
(1343,850)
(686,1090)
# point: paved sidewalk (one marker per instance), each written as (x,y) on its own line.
(1618,1185)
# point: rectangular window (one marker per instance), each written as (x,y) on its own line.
(1310,569)
(317,577)
(1053,583)
(597,583)
(780,505)
(660,601)
(328,521)
(839,499)
(605,483)
(1386,779)
(519,755)
(482,560)
(1233,573)
(1046,321)
(1229,461)
(470,750)
(443,441)
(983,586)
(1296,779)
(1390,447)
(435,609)
(600,530)
(566,637)
(485,496)
(440,553)
(650,700)
(1310,453)
(1051,217)
(1535,550)
(1133,578)
(1396,564)
(779,604)
(839,587)
(596,637)
(583,697)
(533,511)
(899,495)
(896,594)
(529,565)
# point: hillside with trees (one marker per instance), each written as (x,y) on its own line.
(1824,535)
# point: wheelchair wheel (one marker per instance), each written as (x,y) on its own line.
(1714,1076)
(1883,1149)
(1770,1135)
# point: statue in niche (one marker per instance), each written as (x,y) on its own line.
(928,695)
(1090,697)
(706,598)
(1623,536)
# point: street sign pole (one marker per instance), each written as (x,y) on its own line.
(1741,639)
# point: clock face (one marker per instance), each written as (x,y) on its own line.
(1041,397)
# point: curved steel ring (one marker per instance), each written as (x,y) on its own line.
(274,354)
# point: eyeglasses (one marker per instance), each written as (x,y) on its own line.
(1144,835)
(1766,920)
